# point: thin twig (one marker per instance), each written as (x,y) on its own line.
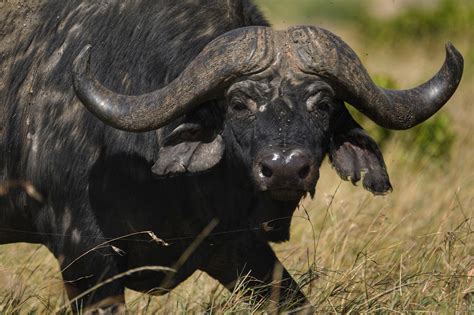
(101,245)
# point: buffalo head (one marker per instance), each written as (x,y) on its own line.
(285,94)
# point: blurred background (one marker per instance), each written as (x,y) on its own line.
(409,251)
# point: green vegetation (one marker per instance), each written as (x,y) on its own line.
(453,18)
(305,11)
(432,140)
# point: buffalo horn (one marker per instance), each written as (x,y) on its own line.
(237,53)
(322,53)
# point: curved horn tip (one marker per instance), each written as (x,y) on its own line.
(454,54)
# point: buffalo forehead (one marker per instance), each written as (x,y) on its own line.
(285,83)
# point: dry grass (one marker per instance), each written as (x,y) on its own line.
(409,251)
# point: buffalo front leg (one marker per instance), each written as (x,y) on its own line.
(88,271)
(253,266)
(89,294)
(87,260)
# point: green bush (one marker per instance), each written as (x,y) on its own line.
(454,18)
(310,11)
(433,139)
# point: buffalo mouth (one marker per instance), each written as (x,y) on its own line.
(287,194)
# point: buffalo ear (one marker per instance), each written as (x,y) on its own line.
(355,155)
(189,148)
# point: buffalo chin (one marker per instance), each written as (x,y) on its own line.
(287,194)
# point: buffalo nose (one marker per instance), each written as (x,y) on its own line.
(290,169)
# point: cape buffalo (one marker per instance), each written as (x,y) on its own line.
(193,120)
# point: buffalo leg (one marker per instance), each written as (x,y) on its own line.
(94,268)
(256,263)
(86,258)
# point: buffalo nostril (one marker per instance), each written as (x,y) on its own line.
(266,171)
(304,171)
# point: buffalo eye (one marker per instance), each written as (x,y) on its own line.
(238,105)
(320,101)
(242,105)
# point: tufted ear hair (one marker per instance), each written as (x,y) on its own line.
(189,148)
(355,156)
